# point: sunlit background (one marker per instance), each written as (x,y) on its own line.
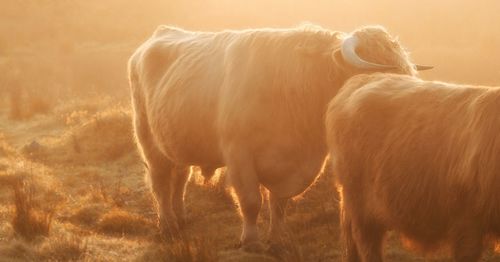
(82,46)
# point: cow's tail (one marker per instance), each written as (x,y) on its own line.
(133,78)
(140,121)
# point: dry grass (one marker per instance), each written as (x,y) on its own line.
(17,250)
(29,221)
(59,248)
(183,250)
(88,215)
(289,249)
(104,208)
(121,222)
(100,138)
(63,248)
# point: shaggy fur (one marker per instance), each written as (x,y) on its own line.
(251,100)
(421,158)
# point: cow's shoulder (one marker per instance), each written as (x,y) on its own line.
(166,42)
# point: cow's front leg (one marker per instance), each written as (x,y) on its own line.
(246,186)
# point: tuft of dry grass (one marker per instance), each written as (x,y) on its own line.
(87,215)
(288,249)
(63,248)
(17,250)
(192,250)
(77,117)
(29,222)
(113,193)
(120,222)
(197,249)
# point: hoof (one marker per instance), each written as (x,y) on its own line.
(284,251)
(252,247)
(168,236)
(169,231)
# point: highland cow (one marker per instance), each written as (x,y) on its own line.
(253,101)
(418,157)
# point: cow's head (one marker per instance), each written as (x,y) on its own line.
(372,48)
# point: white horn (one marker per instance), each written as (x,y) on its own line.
(348,51)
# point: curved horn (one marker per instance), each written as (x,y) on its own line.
(348,51)
(423,67)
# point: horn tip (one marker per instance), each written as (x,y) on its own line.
(423,67)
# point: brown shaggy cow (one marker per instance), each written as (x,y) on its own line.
(418,157)
(251,100)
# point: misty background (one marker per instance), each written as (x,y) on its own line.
(59,48)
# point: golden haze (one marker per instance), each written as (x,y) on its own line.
(65,118)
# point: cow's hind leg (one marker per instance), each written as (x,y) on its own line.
(162,179)
(363,235)
(244,180)
(161,172)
